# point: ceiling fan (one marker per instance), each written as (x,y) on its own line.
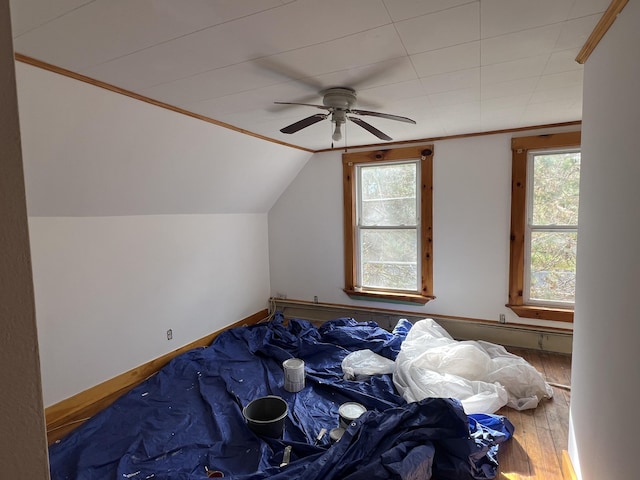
(338,103)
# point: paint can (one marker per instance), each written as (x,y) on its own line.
(293,374)
(349,412)
(214,473)
(336,434)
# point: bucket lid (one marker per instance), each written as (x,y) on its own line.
(351,410)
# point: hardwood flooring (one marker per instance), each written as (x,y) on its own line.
(535,451)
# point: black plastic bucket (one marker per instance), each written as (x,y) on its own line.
(266,415)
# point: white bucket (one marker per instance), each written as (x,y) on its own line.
(349,412)
(293,374)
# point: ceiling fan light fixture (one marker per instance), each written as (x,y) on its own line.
(337,134)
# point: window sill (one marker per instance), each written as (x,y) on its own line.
(391,297)
(543,313)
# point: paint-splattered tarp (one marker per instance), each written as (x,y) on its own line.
(187,420)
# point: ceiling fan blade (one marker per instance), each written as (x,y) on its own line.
(287,72)
(388,116)
(305,122)
(371,74)
(323,107)
(304,100)
(370,128)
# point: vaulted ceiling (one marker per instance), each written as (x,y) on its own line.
(454,66)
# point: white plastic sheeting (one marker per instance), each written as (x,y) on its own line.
(362,364)
(482,375)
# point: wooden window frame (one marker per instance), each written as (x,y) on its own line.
(349,162)
(520,148)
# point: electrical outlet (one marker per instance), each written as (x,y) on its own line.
(169,334)
(281,296)
(503,318)
(315,299)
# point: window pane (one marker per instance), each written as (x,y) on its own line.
(388,195)
(553,266)
(389,259)
(556,183)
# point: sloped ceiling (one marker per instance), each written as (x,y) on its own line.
(90,152)
(454,66)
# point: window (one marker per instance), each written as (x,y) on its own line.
(544,225)
(388,223)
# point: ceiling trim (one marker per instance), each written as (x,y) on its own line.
(107,86)
(608,17)
(452,137)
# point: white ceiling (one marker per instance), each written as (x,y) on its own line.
(455,66)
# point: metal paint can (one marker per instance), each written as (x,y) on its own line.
(336,434)
(293,374)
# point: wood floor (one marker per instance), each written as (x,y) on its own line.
(535,451)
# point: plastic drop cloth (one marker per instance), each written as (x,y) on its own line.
(363,364)
(482,375)
(188,417)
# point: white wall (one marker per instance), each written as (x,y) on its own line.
(23,449)
(141,220)
(471,225)
(108,288)
(605,380)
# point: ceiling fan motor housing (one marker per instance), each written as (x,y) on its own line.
(339,97)
(338,102)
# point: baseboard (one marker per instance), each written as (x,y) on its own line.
(462,328)
(63,417)
(567,467)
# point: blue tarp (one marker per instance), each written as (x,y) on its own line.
(187,418)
